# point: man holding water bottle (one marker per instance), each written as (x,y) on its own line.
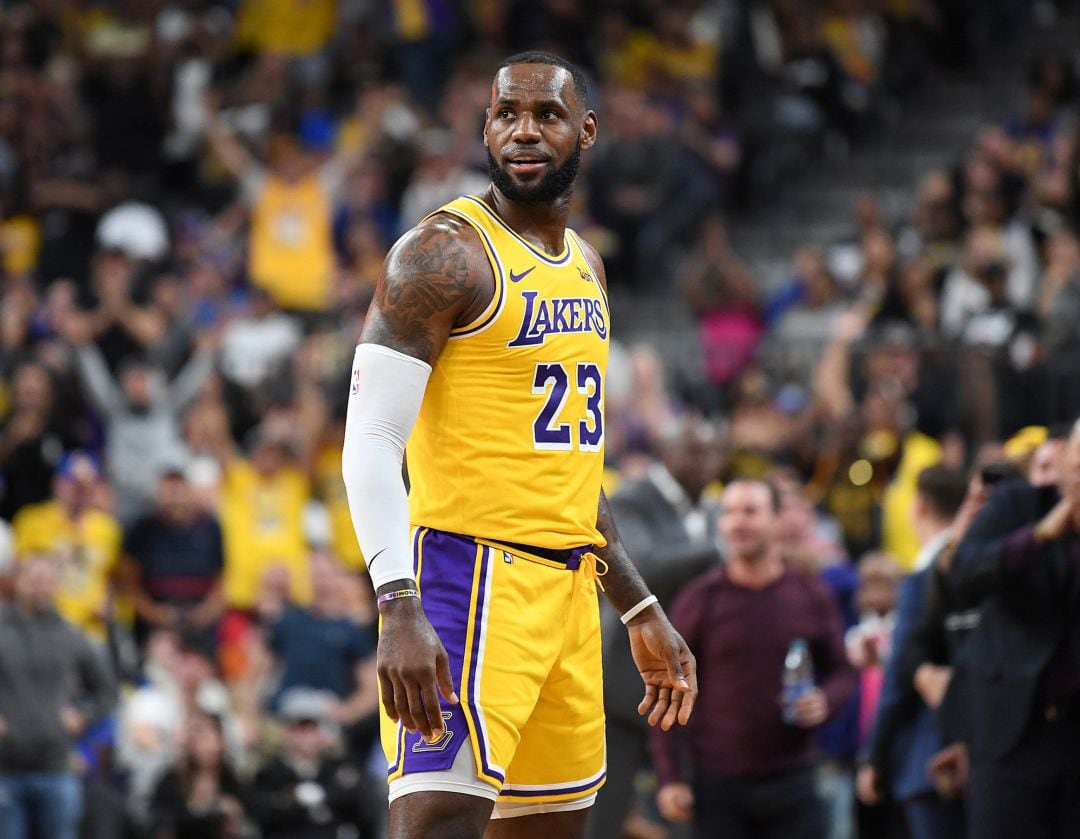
(771,669)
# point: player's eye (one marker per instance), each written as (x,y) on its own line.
(505,113)
(549,115)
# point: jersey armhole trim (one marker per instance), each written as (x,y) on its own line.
(498,299)
(585,257)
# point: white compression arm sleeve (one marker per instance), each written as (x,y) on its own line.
(386,393)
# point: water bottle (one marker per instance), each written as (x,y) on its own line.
(798,677)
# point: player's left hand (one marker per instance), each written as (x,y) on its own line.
(667,667)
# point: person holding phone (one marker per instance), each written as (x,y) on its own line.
(1020,561)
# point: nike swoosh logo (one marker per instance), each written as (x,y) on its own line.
(371,561)
(517,278)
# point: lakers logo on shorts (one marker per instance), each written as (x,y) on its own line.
(439,745)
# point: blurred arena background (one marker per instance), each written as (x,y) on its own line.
(843,231)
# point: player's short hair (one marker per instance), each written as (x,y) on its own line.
(581,86)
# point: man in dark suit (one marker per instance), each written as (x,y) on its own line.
(905,736)
(1021,560)
(671,535)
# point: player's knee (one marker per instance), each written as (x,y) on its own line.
(439,816)
(441,827)
(445,829)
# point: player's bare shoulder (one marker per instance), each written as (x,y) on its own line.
(435,277)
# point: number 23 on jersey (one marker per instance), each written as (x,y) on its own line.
(554,380)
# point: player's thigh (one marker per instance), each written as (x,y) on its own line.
(486,608)
(514,651)
(439,815)
(561,757)
(564,825)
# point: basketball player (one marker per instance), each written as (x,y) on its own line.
(486,348)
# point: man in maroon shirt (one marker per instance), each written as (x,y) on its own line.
(753,774)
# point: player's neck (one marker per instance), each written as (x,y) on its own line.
(544,225)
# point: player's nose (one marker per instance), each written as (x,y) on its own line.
(526,129)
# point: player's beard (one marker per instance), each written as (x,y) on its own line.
(554,185)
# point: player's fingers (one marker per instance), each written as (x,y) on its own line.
(386,690)
(689,697)
(686,707)
(446,679)
(432,710)
(401,701)
(663,700)
(648,700)
(673,657)
(689,666)
(673,710)
(416,708)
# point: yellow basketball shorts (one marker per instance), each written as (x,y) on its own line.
(523,637)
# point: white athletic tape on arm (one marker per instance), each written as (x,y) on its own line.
(386,392)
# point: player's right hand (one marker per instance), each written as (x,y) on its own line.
(675,802)
(413,669)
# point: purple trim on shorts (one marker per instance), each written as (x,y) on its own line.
(535,793)
(446,578)
(396,765)
(474,675)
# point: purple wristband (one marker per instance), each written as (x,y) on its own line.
(397,595)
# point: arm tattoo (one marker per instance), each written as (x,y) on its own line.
(428,275)
(623,585)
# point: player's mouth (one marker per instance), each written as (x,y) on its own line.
(525,164)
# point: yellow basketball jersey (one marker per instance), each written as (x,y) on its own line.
(509,445)
(88,549)
(291,253)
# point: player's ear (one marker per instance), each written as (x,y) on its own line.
(588,130)
(487,125)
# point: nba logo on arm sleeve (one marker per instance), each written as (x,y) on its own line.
(354,388)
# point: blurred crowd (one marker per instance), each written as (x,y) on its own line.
(936,335)
(195,201)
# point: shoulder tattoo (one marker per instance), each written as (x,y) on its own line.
(427,274)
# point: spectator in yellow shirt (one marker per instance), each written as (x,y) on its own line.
(86,540)
(292,198)
(262,519)
(292,28)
